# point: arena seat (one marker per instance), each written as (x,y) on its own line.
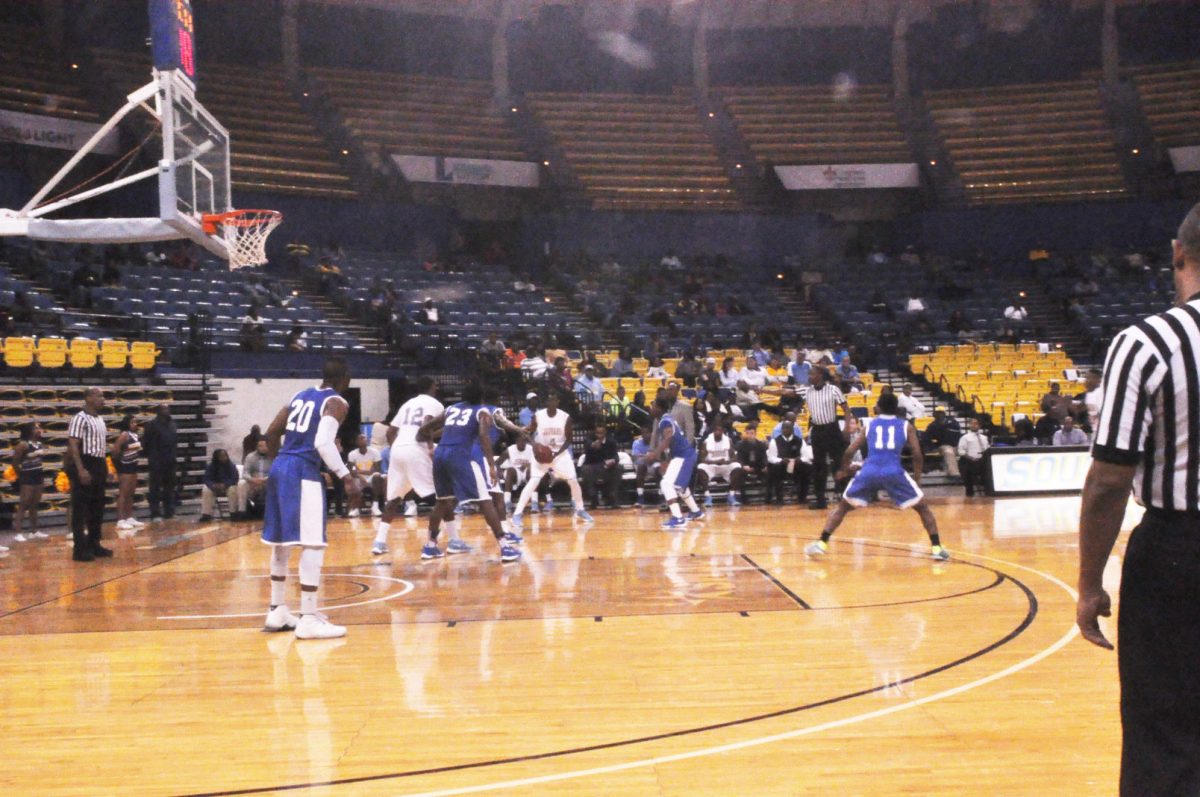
(19,352)
(51,352)
(1170,95)
(84,353)
(33,80)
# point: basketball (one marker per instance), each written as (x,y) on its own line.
(543,453)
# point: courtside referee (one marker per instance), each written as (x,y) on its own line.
(87,446)
(1149,436)
(823,400)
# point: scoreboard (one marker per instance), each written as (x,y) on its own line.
(173,37)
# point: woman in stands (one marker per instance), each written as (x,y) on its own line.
(126,456)
(27,462)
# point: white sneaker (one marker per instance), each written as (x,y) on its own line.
(376,511)
(410,509)
(352,513)
(3,549)
(280,619)
(317,626)
(135,523)
(124,524)
(39,535)
(21,538)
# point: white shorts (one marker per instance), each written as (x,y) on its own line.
(522,475)
(721,472)
(410,467)
(563,467)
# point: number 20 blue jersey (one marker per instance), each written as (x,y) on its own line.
(304,416)
(886,438)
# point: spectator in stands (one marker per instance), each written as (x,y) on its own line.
(429,313)
(942,435)
(912,406)
(656,369)
(365,464)
(1016,314)
(1024,432)
(126,456)
(971,448)
(525,417)
(653,347)
(618,407)
(729,378)
(1044,430)
(250,441)
(915,306)
(220,479)
(161,442)
(492,350)
(959,324)
(688,370)
(514,357)
(588,387)
(716,409)
(601,466)
(1069,434)
(254,331)
(252,488)
(297,339)
(847,375)
(752,454)
(598,368)
(789,461)
(760,355)
(718,460)
(623,365)
(394,330)
(643,465)
(524,284)
(682,412)
(1055,404)
(639,413)
(709,380)
(559,379)
(751,380)
(671,261)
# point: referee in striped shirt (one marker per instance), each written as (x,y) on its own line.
(1148,437)
(823,400)
(87,446)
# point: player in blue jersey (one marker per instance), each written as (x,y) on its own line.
(884,438)
(500,424)
(464,469)
(678,474)
(295,497)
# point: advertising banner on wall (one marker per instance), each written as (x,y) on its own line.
(47,131)
(467,171)
(1039,470)
(1185,159)
(844,176)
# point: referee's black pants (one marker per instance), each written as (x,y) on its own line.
(828,446)
(1158,646)
(87,503)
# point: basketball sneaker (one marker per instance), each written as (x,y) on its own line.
(280,619)
(410,509)
(376,511)
(124,524)
(582,514)
(939,553)
(135,522)
(818,548)
(707,501)
(20,538)
(431,551)
(458,546)
(379,549)
(39,535)
(533,506)
(512,538)
(549,505)
(733,499)
(317,626)
(509,553)
(352,513)
(672,523)
(697,515)
(516,519)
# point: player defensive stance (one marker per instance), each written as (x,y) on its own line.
(678,473)
(885,437)
(295,497)
(464,469)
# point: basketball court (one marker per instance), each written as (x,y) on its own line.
(612,659)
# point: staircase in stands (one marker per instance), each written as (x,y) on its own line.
(1047,318)
(579,324)
(814,326)
(369,336)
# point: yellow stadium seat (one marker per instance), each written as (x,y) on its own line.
(18,352)
(52,352)
(143,355)
(114,353)
(83,352)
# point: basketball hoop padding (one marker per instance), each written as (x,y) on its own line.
(245,234)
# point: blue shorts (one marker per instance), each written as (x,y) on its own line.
(458,474)
(899,486)
(295,503)
(679,470)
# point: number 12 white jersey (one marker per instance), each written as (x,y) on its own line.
(412,415)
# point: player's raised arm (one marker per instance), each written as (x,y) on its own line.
(918,456)
(275,431)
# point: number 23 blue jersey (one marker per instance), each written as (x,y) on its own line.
(886,437)
(461,428)
(304,416)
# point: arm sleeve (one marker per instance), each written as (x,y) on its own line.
(324,443)
(1130,378)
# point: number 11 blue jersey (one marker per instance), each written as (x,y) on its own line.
(886,438)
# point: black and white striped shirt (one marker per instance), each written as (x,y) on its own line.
(91,432)
(823,404)
(1150,412)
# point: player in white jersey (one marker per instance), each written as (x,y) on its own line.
(552,427)
(718,462)
(410,463)
(516,466)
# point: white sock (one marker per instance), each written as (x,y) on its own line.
(310,576)
(451,528)
(674,505)
(505,526)
(308,601)
(507,497)
(691,502)
(279,563)
(381,531)
(641,491)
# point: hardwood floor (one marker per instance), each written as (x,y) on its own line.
(616,659)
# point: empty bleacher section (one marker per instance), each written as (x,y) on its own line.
(1029,143)
(1170,96)
(276,147)
(1001,379)
(637,152)
(817,124)
(35,80)
(53,403)
(418,115)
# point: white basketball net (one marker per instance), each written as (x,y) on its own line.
(245,233)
